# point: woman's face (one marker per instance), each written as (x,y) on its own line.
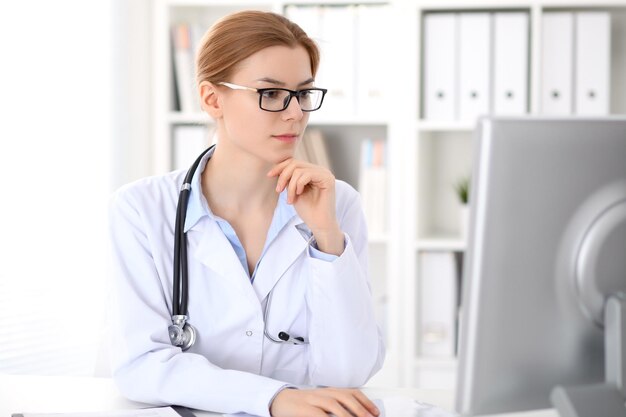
(269,136)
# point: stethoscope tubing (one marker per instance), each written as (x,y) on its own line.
(295,340)
(180,292)
(181,271)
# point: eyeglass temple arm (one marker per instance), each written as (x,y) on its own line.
(237,87)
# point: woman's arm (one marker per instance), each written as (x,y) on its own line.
(146,367)
(346,347)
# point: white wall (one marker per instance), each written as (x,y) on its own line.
(55,178)
(132,93)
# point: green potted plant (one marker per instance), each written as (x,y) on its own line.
(462,188)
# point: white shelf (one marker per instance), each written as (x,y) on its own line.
(444,126)
(232,3)
(515,4)
(333,2)
(472,5)
(177,117)
(432,362)
(189,118)
(580,4)
(441,244)
(346,121)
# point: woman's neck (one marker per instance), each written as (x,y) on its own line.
(237,182)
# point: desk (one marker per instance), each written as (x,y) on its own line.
(26,393)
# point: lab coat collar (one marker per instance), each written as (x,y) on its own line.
(197,206)
(214,251)
(291,243)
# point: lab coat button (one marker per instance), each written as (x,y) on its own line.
(248,333)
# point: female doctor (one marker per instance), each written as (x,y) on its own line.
(276,250)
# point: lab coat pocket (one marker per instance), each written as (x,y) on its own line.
(293,366)
(288,361)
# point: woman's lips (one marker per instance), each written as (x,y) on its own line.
(288,137)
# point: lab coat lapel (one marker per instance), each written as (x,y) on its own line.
(280,255)
(213,250)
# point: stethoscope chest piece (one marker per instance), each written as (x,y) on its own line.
(182,334)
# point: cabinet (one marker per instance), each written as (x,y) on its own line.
(440,151)
(426,155)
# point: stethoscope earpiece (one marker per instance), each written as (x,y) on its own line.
(285,337)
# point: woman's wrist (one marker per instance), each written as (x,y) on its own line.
(330,241)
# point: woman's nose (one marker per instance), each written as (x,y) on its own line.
(293,110)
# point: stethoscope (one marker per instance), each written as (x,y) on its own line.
(183,334)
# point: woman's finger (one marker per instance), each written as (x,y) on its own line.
(330,404)
(277,169)
(354,406)
(285,175)
(367,403)
(302,182)
(293,183)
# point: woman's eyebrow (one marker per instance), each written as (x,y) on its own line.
(282,84)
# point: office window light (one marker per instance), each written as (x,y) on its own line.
(54,176)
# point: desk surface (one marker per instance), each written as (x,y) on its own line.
(58,394)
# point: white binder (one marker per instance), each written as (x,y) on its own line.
(440,66)
(309,18)
(510,90)
(593,51)
(557,47)
(372,57)
(474,65)
(338,51)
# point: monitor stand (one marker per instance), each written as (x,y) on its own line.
(607,399)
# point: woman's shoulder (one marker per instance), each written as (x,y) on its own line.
(150,190)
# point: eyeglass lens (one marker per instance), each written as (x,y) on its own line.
(277,100)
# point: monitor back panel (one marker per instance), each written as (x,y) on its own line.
(522,330)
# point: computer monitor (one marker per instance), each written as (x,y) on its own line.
(546,250)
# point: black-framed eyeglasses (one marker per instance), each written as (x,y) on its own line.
(278,99)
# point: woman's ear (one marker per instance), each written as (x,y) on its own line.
(209,99)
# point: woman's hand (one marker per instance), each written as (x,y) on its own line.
(311,190)
(321,402)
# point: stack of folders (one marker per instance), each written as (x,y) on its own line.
(188,142)
(373,185)
(185,41)
(576,63)
(312,148)
(438,302)
(353,55)
(475,64)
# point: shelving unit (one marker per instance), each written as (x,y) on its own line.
(425,157)
(443,151)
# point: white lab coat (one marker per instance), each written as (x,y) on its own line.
(232,367)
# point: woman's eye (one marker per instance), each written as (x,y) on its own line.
(271,94)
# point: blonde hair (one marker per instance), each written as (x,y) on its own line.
(239,35)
